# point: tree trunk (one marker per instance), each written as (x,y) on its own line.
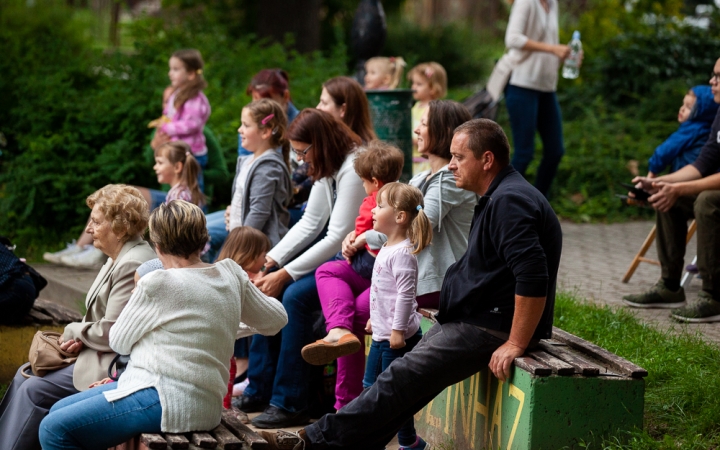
(298,17)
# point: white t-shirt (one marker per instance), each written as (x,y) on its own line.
(392,294)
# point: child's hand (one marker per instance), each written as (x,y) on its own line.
(368,327)
(397,339)
(227,218)
(159,139)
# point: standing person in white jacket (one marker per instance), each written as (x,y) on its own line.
(532,39)
(179,328)
(278,374)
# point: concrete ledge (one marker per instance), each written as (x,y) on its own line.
(67,286)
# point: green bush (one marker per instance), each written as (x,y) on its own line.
(75,117)
(467,56)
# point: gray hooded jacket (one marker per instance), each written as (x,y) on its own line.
(266,196)
(450,210)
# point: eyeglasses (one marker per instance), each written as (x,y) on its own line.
(715,77)
(301,152)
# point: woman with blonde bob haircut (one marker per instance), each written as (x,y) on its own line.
(118,220)
(178,327)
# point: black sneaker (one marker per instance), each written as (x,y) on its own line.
(657,296)
(704,310)
(249,404)
(274,417)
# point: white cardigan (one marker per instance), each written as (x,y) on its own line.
(320,206)
(179,328)
(528,20)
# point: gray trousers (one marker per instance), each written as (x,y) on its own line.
(672,229)
(447,354)
(26,403)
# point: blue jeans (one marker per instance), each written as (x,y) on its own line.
(530,110)
(217,232)
(86,420)
(277,372)
(378,360)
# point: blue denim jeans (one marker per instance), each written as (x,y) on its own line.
(379,359)
(277,372)
(531,110)
(86,420)
(217,232)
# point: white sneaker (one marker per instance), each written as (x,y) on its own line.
(239,388)
(54,258)
(88,258)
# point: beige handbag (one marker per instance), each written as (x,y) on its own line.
(46,355)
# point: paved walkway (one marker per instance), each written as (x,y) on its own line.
(596,257)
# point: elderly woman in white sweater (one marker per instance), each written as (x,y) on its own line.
(278,375)
(179,328)
(532,41)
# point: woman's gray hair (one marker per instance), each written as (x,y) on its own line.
(124,207)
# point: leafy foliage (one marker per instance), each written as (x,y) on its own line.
(75,117)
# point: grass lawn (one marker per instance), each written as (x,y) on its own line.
(682,397)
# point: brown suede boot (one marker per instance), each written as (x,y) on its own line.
(285,440)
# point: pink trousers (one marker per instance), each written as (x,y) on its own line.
(345,300)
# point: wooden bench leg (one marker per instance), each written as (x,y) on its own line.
(639,257)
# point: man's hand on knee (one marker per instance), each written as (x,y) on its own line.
(502,360)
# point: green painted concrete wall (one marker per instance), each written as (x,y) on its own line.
(529,412)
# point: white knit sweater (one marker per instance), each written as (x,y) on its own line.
(179,328)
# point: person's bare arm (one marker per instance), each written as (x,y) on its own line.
(559,50)
(667,193)
(528,312)
(687,173)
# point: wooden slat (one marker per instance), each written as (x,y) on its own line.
(428,313)
(39,317)
(533,367)
(203,440)
(233,423)
(581,365)
(226,440)
(622,365)
(153,441)
(177,441)
(558,366)
(59,313)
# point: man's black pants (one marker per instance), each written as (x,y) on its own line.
(447,354)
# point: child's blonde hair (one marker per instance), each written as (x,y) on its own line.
(269,114)
(180,152)
(409,199)
(193,62)
(434,74)
(393,66)
(244,245)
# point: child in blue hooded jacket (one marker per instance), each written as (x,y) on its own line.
(696,116)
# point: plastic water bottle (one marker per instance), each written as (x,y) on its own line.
(571,68)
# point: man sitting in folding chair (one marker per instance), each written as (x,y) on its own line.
(691,192)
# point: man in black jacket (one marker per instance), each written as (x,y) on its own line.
(691,192)
(496,300)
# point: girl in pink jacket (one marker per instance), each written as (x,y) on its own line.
(186,110)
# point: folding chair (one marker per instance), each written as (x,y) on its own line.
(640,257)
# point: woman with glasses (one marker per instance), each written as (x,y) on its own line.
(278,374)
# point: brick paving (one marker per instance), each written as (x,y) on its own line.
(595,258)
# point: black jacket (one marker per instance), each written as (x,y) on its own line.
(708,161)
(514,248)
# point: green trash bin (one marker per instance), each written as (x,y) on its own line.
(392,120)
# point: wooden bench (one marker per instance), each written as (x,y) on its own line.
(561,393)
(231,434)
